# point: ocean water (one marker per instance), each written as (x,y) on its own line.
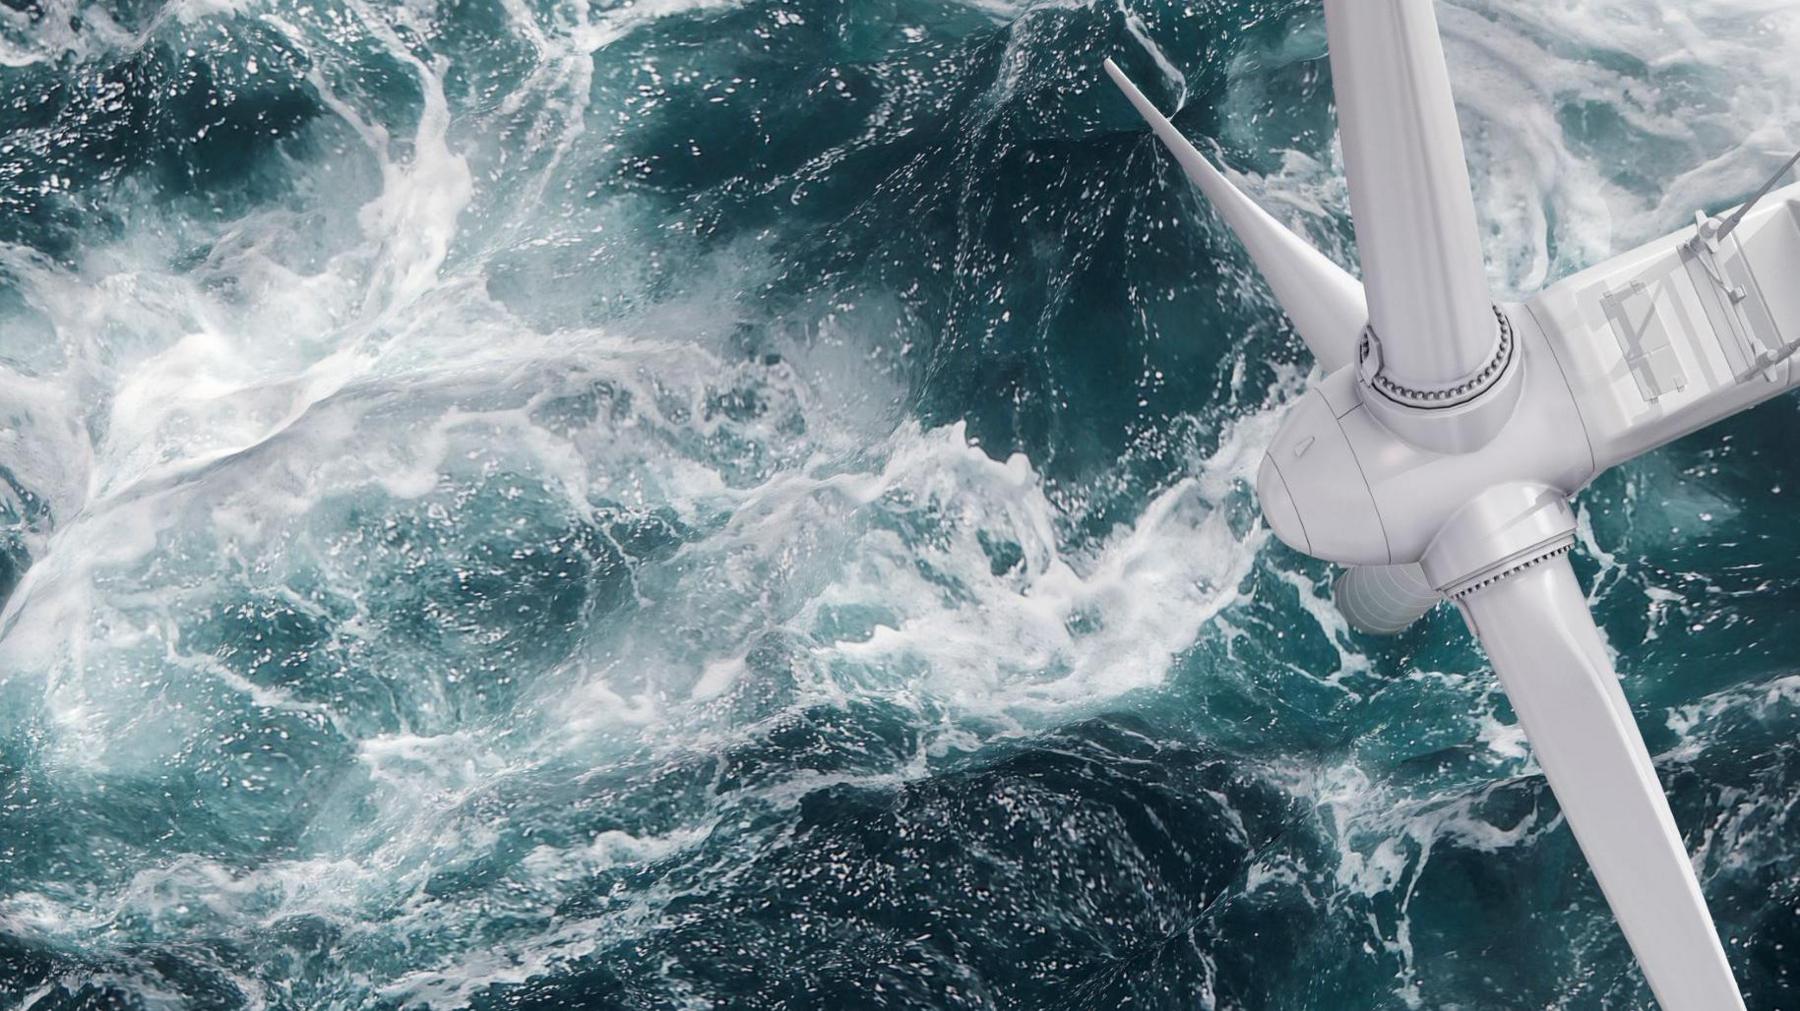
(745,503)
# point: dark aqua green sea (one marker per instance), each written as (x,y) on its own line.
(654,504)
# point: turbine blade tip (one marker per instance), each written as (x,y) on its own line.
(1135,96)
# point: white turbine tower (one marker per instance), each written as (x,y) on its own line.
(1437,455)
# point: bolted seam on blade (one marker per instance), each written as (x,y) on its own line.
(1482,582)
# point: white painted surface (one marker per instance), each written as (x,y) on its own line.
(1537,630)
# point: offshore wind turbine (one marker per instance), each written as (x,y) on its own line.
(1437,455)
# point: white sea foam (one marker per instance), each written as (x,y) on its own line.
(186,459)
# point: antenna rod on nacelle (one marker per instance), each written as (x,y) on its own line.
(1732,222)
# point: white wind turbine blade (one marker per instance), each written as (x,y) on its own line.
(1537,630)
(1322,300)
(1409,191)
(1326,307)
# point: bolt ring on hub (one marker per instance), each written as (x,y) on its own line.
(1368,357)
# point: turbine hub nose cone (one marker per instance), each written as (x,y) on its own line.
(1313,490)
(1278,507)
